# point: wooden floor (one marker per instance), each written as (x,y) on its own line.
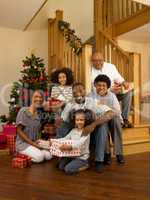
(44,181)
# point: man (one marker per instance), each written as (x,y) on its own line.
(99,128)
(117,81)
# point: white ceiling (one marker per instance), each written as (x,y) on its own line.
(17,13)
(147,2)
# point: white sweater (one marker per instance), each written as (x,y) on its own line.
(79,141)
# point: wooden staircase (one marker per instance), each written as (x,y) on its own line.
(107,16)
(113,18)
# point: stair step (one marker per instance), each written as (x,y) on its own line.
(137,139)
(136,142)
(136,133)
(135,148)
(144,125)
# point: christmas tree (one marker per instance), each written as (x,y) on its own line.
(33,74)
(33,77)
(14,101)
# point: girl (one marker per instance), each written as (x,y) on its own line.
(28,127)
(62,89)
(80,119)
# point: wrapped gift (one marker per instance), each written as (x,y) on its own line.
(124,91)
(54,103)
(19,162)
(23,156)
(11,143)
(56,143)
(3,141)
(9,129)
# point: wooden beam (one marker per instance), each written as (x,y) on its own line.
(136,63)
(86,67)
(98,18)
(139,19)
(34,16)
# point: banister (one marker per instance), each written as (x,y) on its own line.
(114,44)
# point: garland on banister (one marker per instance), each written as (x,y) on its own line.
(69,34)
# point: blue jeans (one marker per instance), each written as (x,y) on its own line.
(72,165)
(115,130)
(126,101)
(100,135)
(98,141)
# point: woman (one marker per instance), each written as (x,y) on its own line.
(28,127)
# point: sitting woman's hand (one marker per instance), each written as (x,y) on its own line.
(35,144)
(46,105)
(65,147)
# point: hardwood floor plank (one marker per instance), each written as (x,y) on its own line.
(45,181)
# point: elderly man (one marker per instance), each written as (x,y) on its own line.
(117,81)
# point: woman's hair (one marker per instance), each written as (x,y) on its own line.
(103,78)
(66,71)
(89,116)
(38,91)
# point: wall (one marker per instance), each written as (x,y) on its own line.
(143,49)
(79,13)
(15,45)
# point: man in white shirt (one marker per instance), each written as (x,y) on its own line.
(99,128)
(117,81)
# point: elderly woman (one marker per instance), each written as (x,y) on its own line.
(28,127)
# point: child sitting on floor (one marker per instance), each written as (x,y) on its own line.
(48,131)
(80,119)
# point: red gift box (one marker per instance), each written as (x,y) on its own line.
(11,143)
(54,102)
(3,141)
(9,129)
(28,159)
(19,162)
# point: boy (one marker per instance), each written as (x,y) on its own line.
(102,95)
